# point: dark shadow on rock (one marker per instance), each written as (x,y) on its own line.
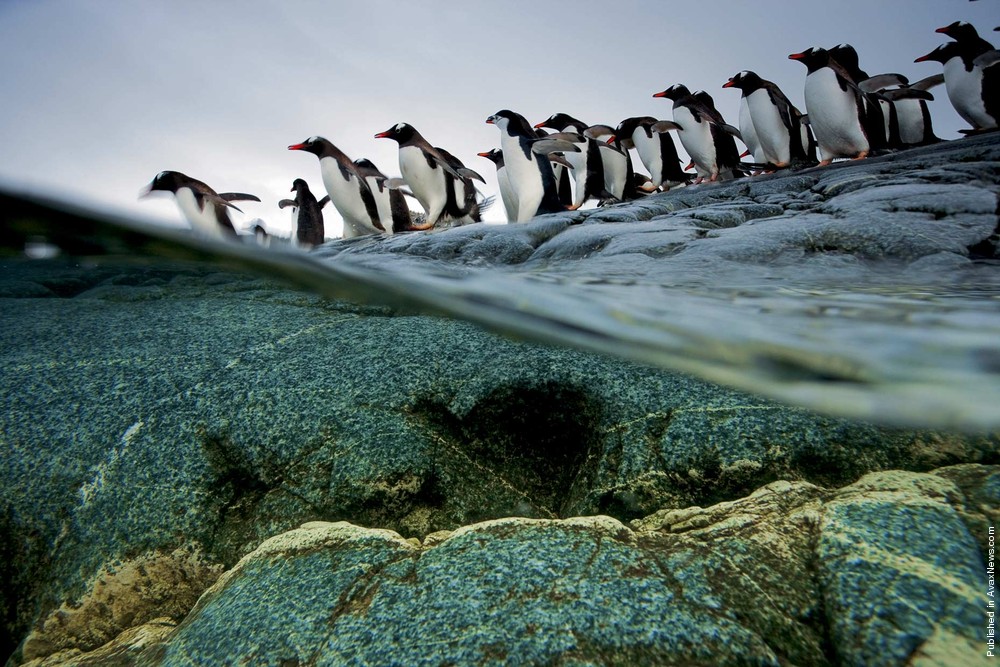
(24,559)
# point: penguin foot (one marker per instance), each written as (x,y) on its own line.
(823,163)
(860,156)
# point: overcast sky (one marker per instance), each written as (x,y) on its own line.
(98,96)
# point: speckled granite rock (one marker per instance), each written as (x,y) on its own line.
(792,574)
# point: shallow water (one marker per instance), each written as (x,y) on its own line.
(874,341)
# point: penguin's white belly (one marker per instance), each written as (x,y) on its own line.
(749,132)
(615,171)
(525,177)
(202,219)
(427,183)
(696,137)
(578,164)
(910,115)
(345,195)
(648,149)
(382,203)
(507,195)
(965,90)
(294,238)
(772,133)
(833,114)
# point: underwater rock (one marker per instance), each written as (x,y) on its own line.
(791,574)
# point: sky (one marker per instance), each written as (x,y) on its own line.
(98,96)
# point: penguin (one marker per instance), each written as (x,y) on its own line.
(775,120)
(204,208)
(619,174)
(966,35)
(704,134)
(587,165)
(908,118)
(972,81)
(463,204)
(307,216)
(835,105)
(877,109)
(507,195)
(348,191)
(429,174)
(527,164)
(393,211)
(657,151)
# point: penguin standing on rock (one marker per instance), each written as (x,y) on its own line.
(393,212)
(307,215)
(776,123)
(835,105)
(203,207)
(527,164)
(704,134)
(507,194)
(440,188)
(971,75)
(348,191)
(587,164)
(652,141)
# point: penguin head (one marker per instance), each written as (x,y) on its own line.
(813,58)
(674,92)
(315,145)
(299,185)
(746,81)
(959,30)
(558,122)
(165,181)
(941,54)
(495,155)
(400,132)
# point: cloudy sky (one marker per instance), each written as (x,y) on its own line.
(100,95)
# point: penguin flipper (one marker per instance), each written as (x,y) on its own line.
(238,196)
(608,147)
(324,201)
(598,131)
(665,126)
(549,145)
(559,159)
(572,137)
(879,81)
(465,172)
(986,59)
(285,203)
(928,82)
(905,94)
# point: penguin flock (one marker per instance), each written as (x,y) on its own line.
(562,162)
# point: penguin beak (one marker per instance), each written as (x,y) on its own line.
(690,166)
(486,154)
(297,147)
(491,120)
(943,30)
(662,93)
(384,135)
(611,140)
(744,154)
(729,84)
(538,126)
(797,56)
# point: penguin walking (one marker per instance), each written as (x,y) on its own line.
(439,187)
(587,165)
(908,118)
(774,120)
(393,211)
(657,152)
(205,209)
(971,75)
(835,105)
(348,191)
(704,134)
(507,195)
(307,215)
(527,164)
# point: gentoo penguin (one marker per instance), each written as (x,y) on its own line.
(652,141)
(429,174)
(464,204)
(972,80)
(908,118)
(835,105)
(204,208)
(507,194)
(527,164)
(704,134)
(587,165)
(775,121)
(307,215)
(966,34)
(393,212)
(347,189)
